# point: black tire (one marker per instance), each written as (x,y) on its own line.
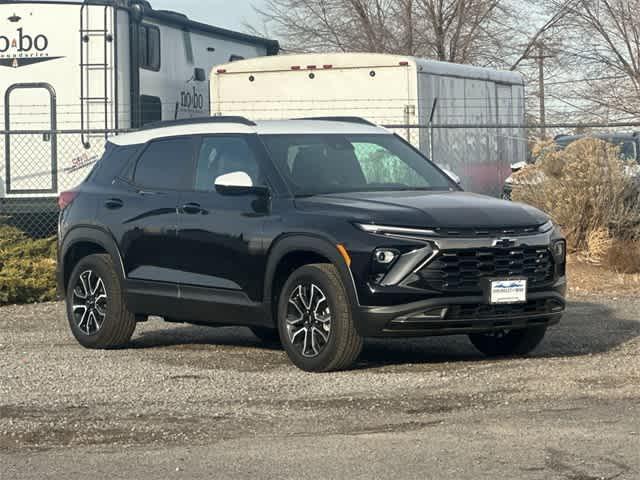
(513,342)
(118,323)
(270,336)
(343,344)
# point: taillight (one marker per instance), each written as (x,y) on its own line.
(65,199)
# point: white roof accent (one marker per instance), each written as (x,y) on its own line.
(267,127)
(281,63)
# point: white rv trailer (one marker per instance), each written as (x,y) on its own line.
(96,65)
(391,90)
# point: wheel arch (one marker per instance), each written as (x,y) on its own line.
(293,251)
(83,241)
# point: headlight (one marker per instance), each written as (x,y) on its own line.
(385,256)
(382,261)
(547,227)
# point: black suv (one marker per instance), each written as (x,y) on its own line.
(315,232)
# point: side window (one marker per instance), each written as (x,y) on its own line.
(151,109)
(150,47)
(166,165)
(220,155)
(383,167)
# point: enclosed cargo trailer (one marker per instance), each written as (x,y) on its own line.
(429,101)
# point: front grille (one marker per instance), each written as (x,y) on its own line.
(460,271)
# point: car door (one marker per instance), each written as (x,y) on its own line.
(221,248)
(147,212)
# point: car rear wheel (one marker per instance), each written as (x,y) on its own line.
(96,309)
(508,342)
(315,321)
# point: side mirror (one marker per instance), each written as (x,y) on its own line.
(518,166)
(234,179)
(238,183)
(453,176)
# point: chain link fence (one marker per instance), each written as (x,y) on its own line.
(37,165)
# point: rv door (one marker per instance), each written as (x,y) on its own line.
(31,158)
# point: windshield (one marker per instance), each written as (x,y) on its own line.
(319,164)
(627,147)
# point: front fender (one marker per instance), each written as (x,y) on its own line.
(308,243)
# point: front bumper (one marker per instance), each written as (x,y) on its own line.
(461,315)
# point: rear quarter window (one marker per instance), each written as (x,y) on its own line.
(112,163)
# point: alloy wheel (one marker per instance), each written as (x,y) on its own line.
(89,303)
(308,319)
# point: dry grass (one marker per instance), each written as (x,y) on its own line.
(584,188)
(589,279)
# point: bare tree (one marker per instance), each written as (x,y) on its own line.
(606,47)
(450,30)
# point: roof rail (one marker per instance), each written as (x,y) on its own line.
(196,121)
(360,120)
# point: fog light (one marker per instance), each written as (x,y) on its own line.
(385,256)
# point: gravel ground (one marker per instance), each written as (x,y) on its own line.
(190,402)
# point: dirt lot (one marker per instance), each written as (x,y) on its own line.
(190,402)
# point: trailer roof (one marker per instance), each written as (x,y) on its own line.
(368,60)
(167,17)
(266,127)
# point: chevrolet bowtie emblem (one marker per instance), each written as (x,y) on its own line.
(504,243)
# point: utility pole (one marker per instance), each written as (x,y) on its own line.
(539,58)
(543,114)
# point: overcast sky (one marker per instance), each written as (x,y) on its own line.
(221,13)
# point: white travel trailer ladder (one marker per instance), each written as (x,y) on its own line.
(97,74)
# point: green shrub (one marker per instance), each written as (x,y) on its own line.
(27,268)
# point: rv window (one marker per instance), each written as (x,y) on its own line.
(151,109)
(188,47)
(166,165)
(150,47)
(235,58)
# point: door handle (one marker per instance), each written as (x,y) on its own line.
(191,208)
(114,203)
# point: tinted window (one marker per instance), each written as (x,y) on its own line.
(221,155)
(166,165)
(112,163)
(151,109)
(149,47)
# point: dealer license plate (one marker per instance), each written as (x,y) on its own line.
(508,291)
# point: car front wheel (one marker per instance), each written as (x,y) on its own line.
(315,321)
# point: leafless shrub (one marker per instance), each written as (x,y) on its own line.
(586,189)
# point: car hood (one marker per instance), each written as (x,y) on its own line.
(425,209)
